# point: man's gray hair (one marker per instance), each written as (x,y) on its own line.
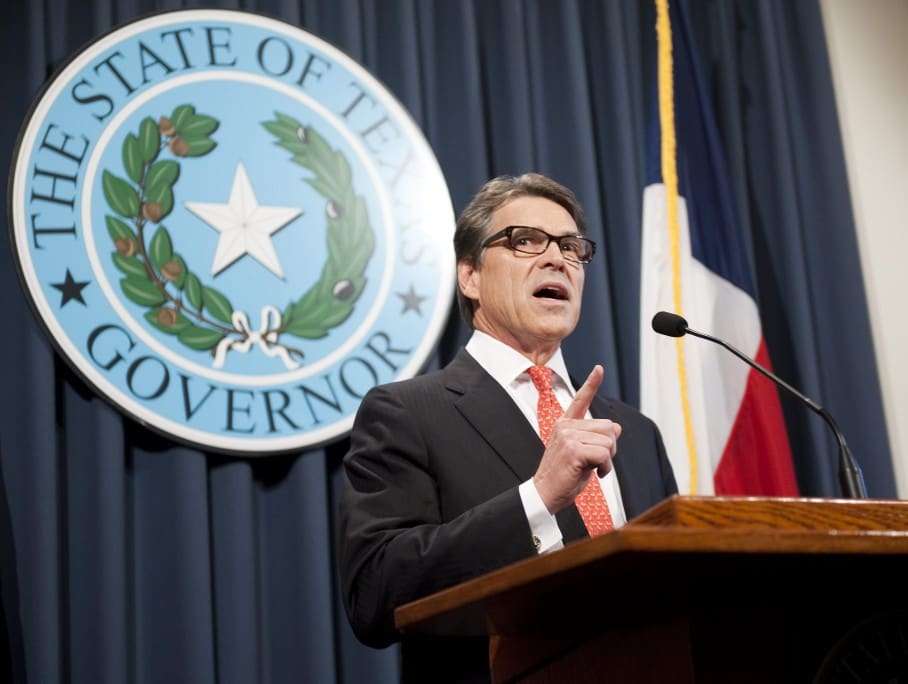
(473,223)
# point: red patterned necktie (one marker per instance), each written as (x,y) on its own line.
(590,502)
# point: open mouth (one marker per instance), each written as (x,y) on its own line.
(551,292)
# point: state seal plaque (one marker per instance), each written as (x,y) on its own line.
(230,229)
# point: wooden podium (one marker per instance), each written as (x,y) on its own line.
(699,590)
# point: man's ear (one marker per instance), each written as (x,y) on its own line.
(468,279)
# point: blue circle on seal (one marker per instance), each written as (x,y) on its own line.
(231,230)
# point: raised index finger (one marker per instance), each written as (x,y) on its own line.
(585,394)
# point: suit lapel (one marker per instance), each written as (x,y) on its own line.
(495,416)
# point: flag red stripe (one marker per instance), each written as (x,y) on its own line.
(757,457)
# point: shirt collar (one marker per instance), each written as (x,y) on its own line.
(505,364)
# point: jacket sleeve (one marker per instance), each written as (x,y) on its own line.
(394,546)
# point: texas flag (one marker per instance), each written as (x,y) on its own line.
(721,421)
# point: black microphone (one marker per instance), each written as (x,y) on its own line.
(850,476)
(670,324)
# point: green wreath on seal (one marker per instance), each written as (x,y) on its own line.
(329,302)
(158,278)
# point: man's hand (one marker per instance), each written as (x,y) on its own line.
(576,447)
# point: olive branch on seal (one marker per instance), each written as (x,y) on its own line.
(155,276)
(350,240)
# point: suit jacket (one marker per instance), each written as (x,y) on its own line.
(430,500)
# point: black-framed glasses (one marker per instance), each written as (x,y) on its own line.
(530,240)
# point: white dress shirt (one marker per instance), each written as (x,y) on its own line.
(509,369)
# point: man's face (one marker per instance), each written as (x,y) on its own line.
(530,302)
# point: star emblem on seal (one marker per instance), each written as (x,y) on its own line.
(70,289)
(245,226)
(411,301)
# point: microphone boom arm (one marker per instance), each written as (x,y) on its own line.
(850,476)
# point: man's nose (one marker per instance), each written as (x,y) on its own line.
(552,255)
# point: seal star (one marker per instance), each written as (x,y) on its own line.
(71,289)
(245,226)
(411,300)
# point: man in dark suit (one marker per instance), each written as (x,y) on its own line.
(496,457)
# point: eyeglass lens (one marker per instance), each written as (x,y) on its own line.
(535,241)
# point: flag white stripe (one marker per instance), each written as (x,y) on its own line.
(716,380)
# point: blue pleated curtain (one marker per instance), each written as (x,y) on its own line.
(126,558)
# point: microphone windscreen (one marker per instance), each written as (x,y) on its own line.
(670,324)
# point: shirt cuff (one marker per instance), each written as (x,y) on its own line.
(543,525)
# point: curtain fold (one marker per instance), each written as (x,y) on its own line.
(95,473)
(235,553)
(132,559)
(173,593)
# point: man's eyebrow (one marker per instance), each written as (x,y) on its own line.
(546,230)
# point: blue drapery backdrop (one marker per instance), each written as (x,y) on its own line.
(127,558)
